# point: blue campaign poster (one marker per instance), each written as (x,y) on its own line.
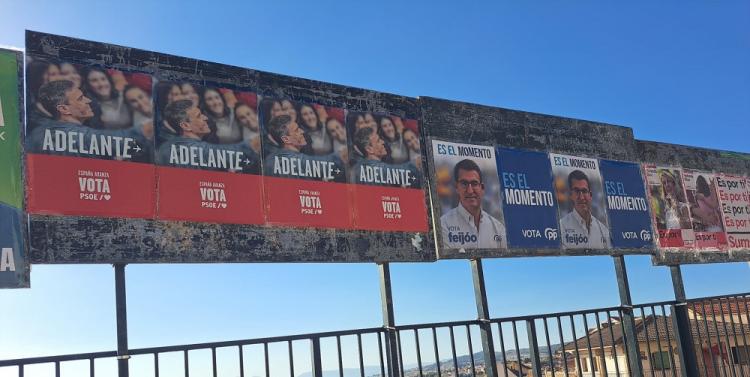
(627,206)
(13,269)
(528,199)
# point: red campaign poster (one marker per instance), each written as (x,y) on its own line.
(386,173)
(669,206)
(208,154)
(89,140)
(705,210)
(306,149)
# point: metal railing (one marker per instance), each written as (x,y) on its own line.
(585,343)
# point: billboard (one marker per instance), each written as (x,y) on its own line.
(581,202)
(529,202)
(627,205)
(468,190)
(734,198)
(14,270)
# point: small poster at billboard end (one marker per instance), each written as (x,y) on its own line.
(386,173)
(669,206)
(468,193)
(208,153)
(627,205)
(89,139)
(734,197)
(581,202)
(705,212)
(529,202)
(305,165)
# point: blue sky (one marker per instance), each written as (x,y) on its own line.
(673,71)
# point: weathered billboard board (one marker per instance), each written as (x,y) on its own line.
(14,270)
(157,158)
(543,193)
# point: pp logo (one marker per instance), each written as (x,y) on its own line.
(645,235)
(550,233)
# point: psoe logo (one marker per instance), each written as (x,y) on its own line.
(462,237)
(645,235)
(550,233)
(7,263)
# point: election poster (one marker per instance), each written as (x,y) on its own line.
(305,149)
(469,198)
(385,170)
(669,206)
(529,202)
(734,197)
(705,212)
(208,154)
(89,138)
(627,205)
(14,271)
(581,202)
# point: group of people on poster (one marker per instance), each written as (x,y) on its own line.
(504,198)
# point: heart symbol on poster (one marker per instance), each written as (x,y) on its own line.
(223,205)
(107,197)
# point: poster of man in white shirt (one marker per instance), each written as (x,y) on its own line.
(582,209)
(469,191)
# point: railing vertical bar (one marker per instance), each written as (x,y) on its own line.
(242,361)
(265,360)
(742,328)
(156,364)
(213,361)
(380,354)
(592,361)
(700,341)
(562,343)
(614,343)
(648,340)
(471,352)
(317,362)
(658,341)
(669,340)
(57,369)
(575,342)
(736,339)
(419,352)
(361,358)
(726,336)
(435,349)
(549,346)
(91,369)
(515,342)
(747,311)
(502,349)
(338,353)
(453,350)
(186,362)
(290,350)
(718,340)
(20,370)
(599,330)
(400,354)
(708,338)
(626,339)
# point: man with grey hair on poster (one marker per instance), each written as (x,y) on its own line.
(580,228)
(468,225)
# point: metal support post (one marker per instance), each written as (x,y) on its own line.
(391,340)
(628,321)
(317,370)
(536,365)
(483,313)
(122,321)
(681,324)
